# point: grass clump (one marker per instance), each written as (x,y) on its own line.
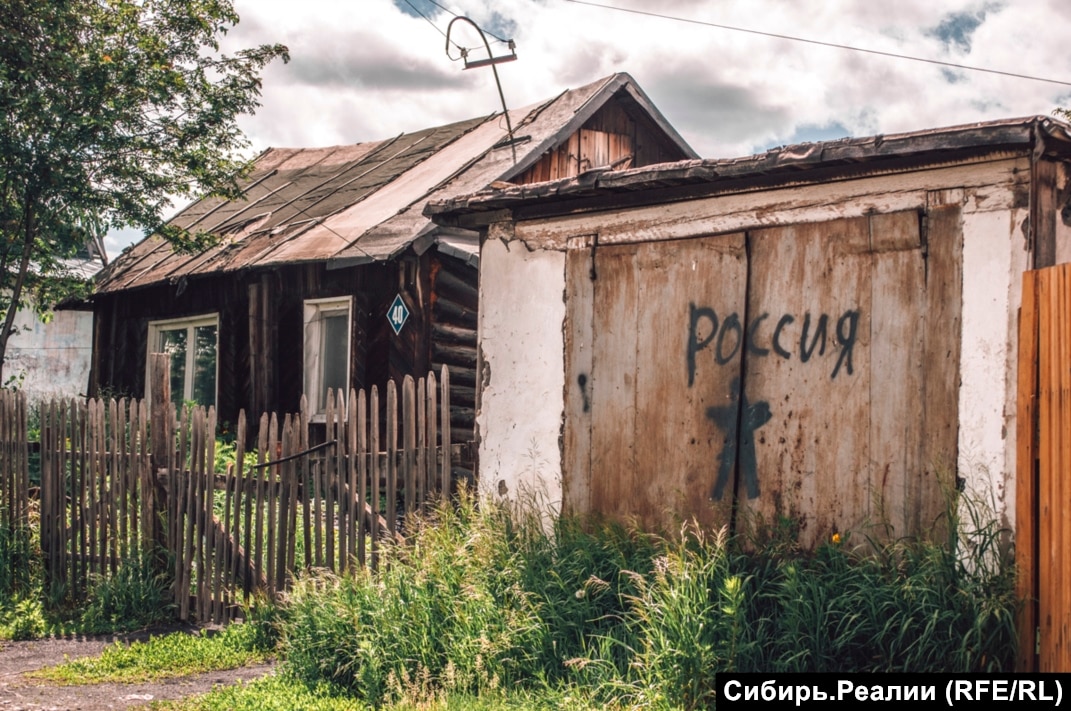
(445,611)
(137,596)
(172,655)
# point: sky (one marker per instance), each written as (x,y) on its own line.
(370,69)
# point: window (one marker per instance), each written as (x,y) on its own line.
(191,345)
(327,350)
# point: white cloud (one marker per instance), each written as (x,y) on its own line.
(367,70)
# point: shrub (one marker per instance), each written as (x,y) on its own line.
(135,597)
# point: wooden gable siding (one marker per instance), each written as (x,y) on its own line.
(610,135)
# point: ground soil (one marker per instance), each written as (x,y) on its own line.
(21,693)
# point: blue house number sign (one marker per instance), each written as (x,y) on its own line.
(397,314)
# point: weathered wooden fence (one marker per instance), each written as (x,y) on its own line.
(14,475)
(323,492)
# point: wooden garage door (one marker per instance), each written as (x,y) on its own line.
(784,370)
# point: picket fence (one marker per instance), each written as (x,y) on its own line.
(121,481)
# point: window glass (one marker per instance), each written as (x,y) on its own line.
(173,343)
(327,350)
(335,328)
(204,376)
(191,347)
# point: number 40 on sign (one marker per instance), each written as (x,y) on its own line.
(397,314)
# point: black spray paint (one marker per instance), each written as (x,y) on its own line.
(752,417)
(728,337)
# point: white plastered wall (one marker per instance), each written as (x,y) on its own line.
(50,359)
(994,258)
(522,311)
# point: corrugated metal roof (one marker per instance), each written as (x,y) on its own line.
(364,202)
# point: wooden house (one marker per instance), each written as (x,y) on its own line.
(327,274)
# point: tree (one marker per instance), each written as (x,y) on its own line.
(108,110)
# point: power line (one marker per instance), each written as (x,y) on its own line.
(437,28)
(454,14)
(822,44)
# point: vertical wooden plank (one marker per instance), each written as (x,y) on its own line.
(943,327)
(391,449)
(248,485)
(60,490)
(300,435)
(214,541)
(1061,390)
(307,486)
(340,477)
(1050,509)
(228,539)
(90,483)
(351,476)
(103,497)
(579,331)
(319,467)
(187,515)
(46,491)
(897,349)
(114,481)
(434,481)
(283,474)
(238,554)
(262,454)
(79,503)
(409,442)
(329,488)
(373,409)
(685,341)
(123,481)
(362,474)
(421,460)
(444,401)
(1026,491)
(273,496)
(613,386)
(133,477)
(197,561)
(808,376)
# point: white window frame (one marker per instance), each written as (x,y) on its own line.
(174,324)
(313,347)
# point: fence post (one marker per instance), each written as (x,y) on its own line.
(160,404)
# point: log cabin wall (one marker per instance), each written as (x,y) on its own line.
(260,334)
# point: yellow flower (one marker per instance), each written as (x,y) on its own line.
(107,59)
(836,539)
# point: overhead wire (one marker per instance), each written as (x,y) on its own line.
(820,43)
(461,50)
(451,12)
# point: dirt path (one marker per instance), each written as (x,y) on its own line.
(19,693)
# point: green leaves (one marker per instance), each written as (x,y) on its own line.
(108,109)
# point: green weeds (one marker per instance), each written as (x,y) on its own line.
(478,600)
(176,654)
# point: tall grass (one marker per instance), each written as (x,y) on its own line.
(478,599)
